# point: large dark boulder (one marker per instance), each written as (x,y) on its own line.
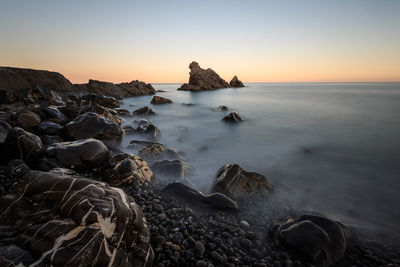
(157,100)
(234,181)
(192,197)
(21,144)
(135,88)
(81,153)
(128,169)
(53,114)
(235,82)
(49,128)
(56,219)
(315,239)
(203,79)
(28,119)
(91,125)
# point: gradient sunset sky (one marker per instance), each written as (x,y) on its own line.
(155,41)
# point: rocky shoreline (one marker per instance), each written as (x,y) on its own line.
(70,196)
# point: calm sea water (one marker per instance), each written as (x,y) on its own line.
(327,147)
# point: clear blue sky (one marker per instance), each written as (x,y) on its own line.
(156,40)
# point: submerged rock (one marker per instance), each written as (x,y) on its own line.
(174,169)
(315,239)
(61,220)
(192,197)
(234,181)
(144,111)
(91,125)
(235,82)
(160,100)
(128,169)
(203,79)
(223,108)
(232,117)
(81,153)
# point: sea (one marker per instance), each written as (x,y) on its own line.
(332,148)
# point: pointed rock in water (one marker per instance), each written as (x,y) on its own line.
(57,219)
(144,111)
(151,131)
(315,239)
(234,181)
(232,117)
(235,82)
(91,125)
(203,79)
(157,100)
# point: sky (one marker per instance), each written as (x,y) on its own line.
(155,40)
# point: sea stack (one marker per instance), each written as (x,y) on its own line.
(235,82)
(203,79)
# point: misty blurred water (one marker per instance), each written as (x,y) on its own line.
(328,147)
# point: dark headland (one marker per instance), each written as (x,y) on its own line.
(69,196)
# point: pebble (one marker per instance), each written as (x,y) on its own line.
(199,248)
(217,257)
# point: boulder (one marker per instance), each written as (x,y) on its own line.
(232,117)
(128,169)
(82,153)
(54,219)
(50,128)
(135,88)
(102,100)
(173,169)
(76,108)
(235,82)
(123,112)
(157,100)
(21,144)
(53,114)
(203,79)
(144,111)
(91,125)
(151,131)
(28,119)
(315,239)
(192,197)
(152,151)
(51,139)
(234,181)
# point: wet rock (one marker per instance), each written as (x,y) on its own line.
(81,153)
(5,128)
(223,108)
(77,108)
(53,114)
(144,111)
(157,100)
(151,131)
(188,104)
(51,139)
(190,196)
(129,129)
(235,82)
(102,100)
(21,144)
(234,181)
(91,125)
(175,169)
(62,220)
(232,117)
(142,144)
(152,152)
(28,119)
(315,239)
(128,169)
(50,128)
(123,112)
(203,79)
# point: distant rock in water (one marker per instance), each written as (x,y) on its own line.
(144,111)
(203,79)
(232,117)
(157,100)
(235,82)
(16,80)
